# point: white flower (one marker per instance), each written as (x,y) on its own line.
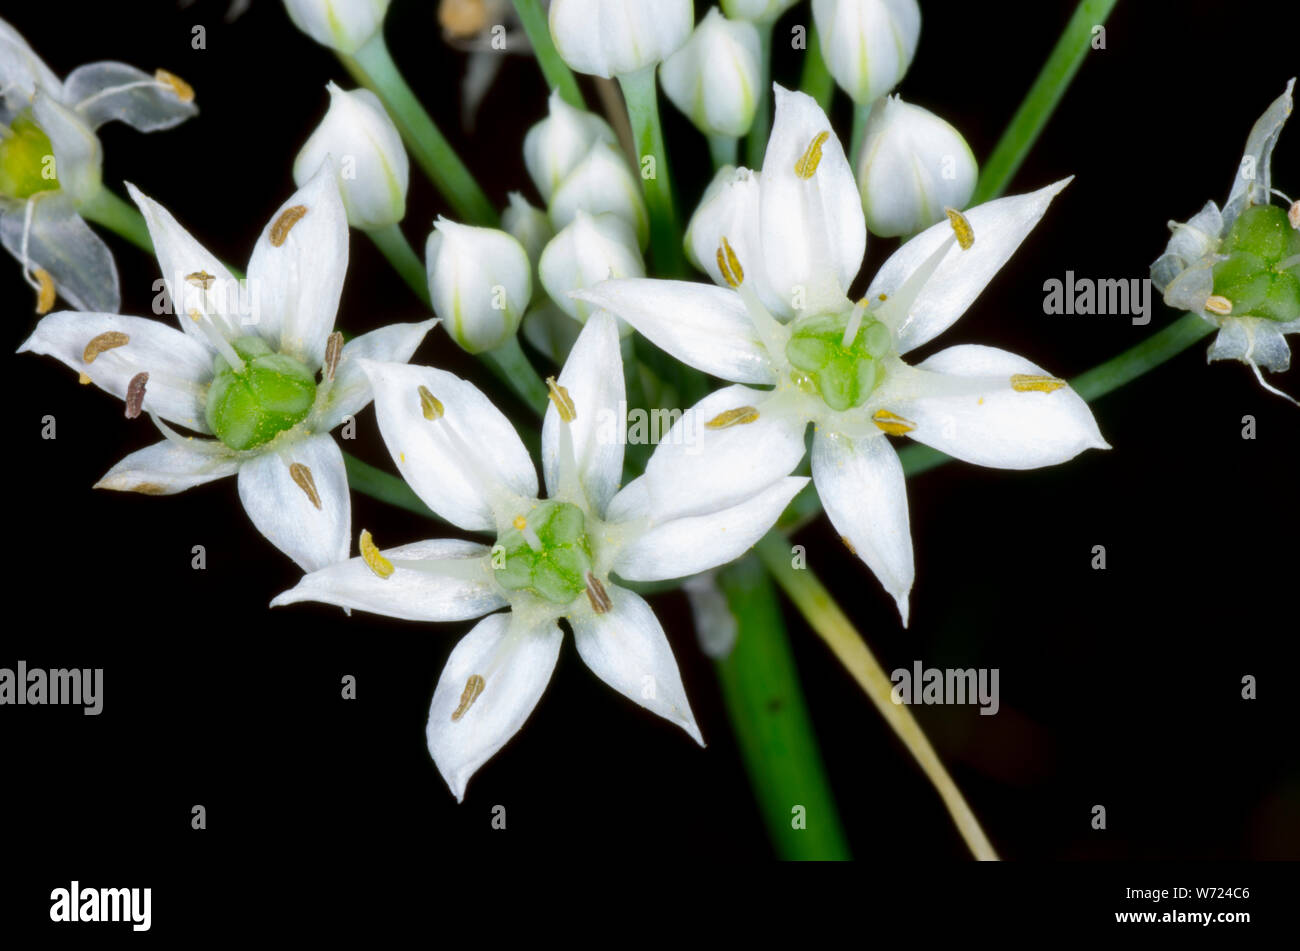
(50,162)
(552,559)
(1239,268)
(243,367)
(913,166)
(554,147)
(373,170)
(714,79)
(756,11)
(839,365)
(480,280)
(584,253)
(602,183)
(343,25)
(867,44)
(614,37)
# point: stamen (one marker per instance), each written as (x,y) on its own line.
(45,295)
(598,596)
(218,341)
(302,475)
(534,542)
(333,353)
(135,394)
(1029,383)
(83,379)
(473,688)
(854,324)
(733,417)
(848,544)
(563,402)
(807,164)
(373,557)
(1218,304)
(288,218)
(896,311)
(729,264)
(961,227)
(892,423)
(183,90)
(200,279)
(102,342)
(430,405)
(1268,386)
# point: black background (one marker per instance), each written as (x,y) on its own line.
(1119,687)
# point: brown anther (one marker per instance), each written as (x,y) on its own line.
(462,19)
(1218,304)
(430,405)
(108,340)
(473,688)
(135,394)
(200,279)
(1293,215)
(598,596)
(807,163)
(892,423)
(729,264)
(563,402)
(848,544)
(183,90)
(303,477)
(733,417)
(333,353)
(45,294)
(288,218)
(1031,383)
(961,227)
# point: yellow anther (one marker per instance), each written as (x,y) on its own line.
(961,227)
(373,557)
(807,164)
(105,341)
(1218,304)
(46,292)
(892,423)
(1029,383)
(520,523)
(183,90)
(733,417)
(288,218)
(598,596)
(83,379)
(303,477)
(200,279)
(195,315)
(729,264)
(473,687)
(563,402)
(430,405)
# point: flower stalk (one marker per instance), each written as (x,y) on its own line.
(109,211)
(557,72)
(642,96)
(816,80)
(756,143)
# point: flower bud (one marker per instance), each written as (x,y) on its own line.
(554,146)
(714,79)
(370,163)
(756,11)
(588,251)
(613,37)
(480,281)
(529,225)
(602,183)
(343,25)
(913,166)
(867,44)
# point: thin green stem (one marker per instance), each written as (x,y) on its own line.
(373,67)
(393,245)
(1041,101)
(756,143)
(724,150)
(556,70)
(819,608)
(641,93)
(118,216)
(860,116)
(816,80)
(511,366)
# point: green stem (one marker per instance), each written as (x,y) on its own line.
(816,80)
(724,150)
(766,708)
(641,93)
(557,72)
(373,67)
(118,216)
(860,116)
(1041,101)
(378,484)
(756,143)
(511,366)
(815,603)
(394,246)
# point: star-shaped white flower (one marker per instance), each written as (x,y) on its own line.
(244,368)
(791,240)
(553,558)
(50,162)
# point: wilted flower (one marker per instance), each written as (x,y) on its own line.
(867,44)
(480,280)
(714,79)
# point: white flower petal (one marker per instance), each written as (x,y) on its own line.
(682,547)
(706,327)
(460,463)
(179,367)
(1253,180)
(1253,340)
(515,661)
(627,649)
(861,485)
(77,259)
(350,392)
(78,157)
(102,92)
(1000,226)
(282,510)
(166,468)
(409,593)
(21,70)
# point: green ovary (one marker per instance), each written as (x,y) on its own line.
(843,376)
(1261,276)
(249,407)
(26,160)
(557,569)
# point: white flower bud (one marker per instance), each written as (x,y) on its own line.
(586,252)
(613,37)
(480,281)
(370,163)
(529,224)
(714,79)
(602,183)
(867,44)
(342,25)
(913,166)
(756,11)
(554,146)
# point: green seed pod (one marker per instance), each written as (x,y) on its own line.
(1261,275)
(547,552)
(26,160)
(844,376)
(274,392)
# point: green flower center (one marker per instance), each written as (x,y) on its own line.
(26,160)
(843,376)
(272,393)
(547,552)
(1261,276)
